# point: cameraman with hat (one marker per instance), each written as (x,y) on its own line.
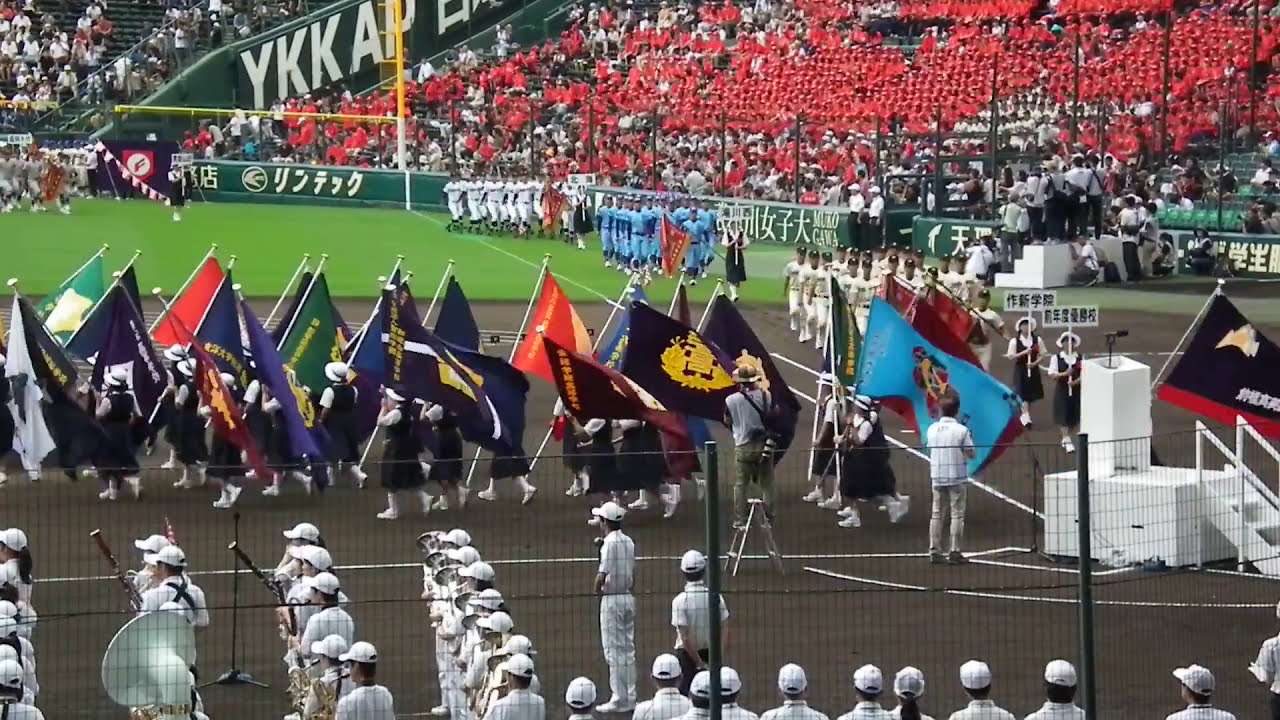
(745,412)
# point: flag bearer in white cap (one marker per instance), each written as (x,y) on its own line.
(868,684)
(338,415)
(908,686)
(614,580)
(290,566)
(367,700)
(975,678)
(667,702)
(402,471)
(580,697)
(689,616)
(1267,668)
(792,684)
(1197,689)
(1060,692)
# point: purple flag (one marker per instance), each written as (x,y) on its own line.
(126,345)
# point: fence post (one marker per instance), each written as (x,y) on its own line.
(712,472)
(1088,676)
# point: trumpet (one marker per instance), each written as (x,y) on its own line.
(429,542)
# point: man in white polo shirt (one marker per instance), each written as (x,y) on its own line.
(667,702)
(691,618)
(950,448)
(614,579)
(975,678)
(792,683)
(1197,688)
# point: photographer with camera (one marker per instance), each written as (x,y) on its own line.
(746,412)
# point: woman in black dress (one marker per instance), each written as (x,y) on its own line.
(402,470)
(503,467)
(572,456)
(164,421)
(338,415)
(1064,370)
(641,464)
(226,461)
(601,462)
(827,463)
(446,468)
(868,474)
(1025,350)
(117,411)
(280,457)
(188,429)
(735,260)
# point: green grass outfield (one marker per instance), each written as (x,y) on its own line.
(269,240)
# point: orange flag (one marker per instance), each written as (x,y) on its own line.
(675,244)
(560,324)
(191,306)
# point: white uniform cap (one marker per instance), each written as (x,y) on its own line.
(868,679)
(1060,672)
(10,674)
(908,682)
(458,537)
(465,555)
(314,555)
(8,626)
(730,682)
(693,561)
(700,687)
(303,531)
(361,652)
(581,694)
(8,611)
(519,645)
(14,539)
(336,371)
(152,543)
(975,675)
(1197,679)
(332,646)
(326,583)
(791,679)
(169,555)
(9,652)
(175,353)
(498,622)
(489,598)
(666,667)
(611,511)
(518,665)
(478,570)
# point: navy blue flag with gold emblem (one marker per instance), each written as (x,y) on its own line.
(729,331)
(456,324)
(1228,370)
(219,333)
(307,437)
(676,365)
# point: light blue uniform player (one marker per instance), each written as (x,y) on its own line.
(652,241)
(712,218)
(697,230)
(622,234)
(637,236)
(604,223)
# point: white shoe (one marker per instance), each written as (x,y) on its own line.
(614,706)
(852,521)
(440,711)
(487,495)
(388,514)
(184,483)
(359,475)
(1066,445)
(529,492)
(831,503)
(233,494)
(463,494)
(135,486)
(847,511)
(170,464)
(814,496)
(250,474)
(271,490)
(574,490)
(222,503)
(1025,418)
(441,503)
(88,472)
(108,494)
(641,504)
(805,337)
(898,510)
(608,265)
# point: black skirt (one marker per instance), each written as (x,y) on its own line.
(1066,406)
(735,266)
(641,465)
(573,456)
(344,438)
(188,432)
(602,465)
(116,459)
(825,457)
(401,467)
(1029,387)
(446,469)
(6,430)
(224,460)
(502,467)
(867,474)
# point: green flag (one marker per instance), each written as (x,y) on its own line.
(64,310)
(314,338)
(846,343)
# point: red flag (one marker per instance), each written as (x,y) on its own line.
(559,322)
(675,244)
(552,204)
(190,306)
(227,418)
(898,294)
(169,533)
(935,326)
(591,390)
(926,321)
(953,314)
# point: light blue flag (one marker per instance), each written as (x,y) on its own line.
(897,362)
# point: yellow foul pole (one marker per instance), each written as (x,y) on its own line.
(401,69)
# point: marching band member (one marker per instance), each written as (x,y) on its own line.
(401,467)
(493,631)
(520,702)
(793,290)
(173,586)
(447,609)
(333,677)
(667,702)
(15,553)
(146,578)
(25,623)
(866,465)
(908,687)
(580,696)
(792,683)
(988,320)
(328,619)
(825,459)
(13,705)
(226,464)
(337,414)
(15,647)
(193,452)
(367,699)
(1064,371)
(1025,350)
(301,535)
(117,411)
(312,561)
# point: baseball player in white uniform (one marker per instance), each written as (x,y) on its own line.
(453,192)
(791,288)
(865,287)
(524,204)
(509,190)
(817,284)
(474,190)
(493,190)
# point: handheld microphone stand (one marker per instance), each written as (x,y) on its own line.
(235,676)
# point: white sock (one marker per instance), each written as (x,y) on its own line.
(425,499)
(491,488)
(523,482)
(393,504)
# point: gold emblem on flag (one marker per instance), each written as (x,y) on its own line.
(305,408)
(689,362)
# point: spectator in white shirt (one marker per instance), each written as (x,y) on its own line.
(950,447)
(792,684)
(868,683)
(975,677)
(667,702)
(1197,688)
(908,685)
(1264,174)
(1060,691)
(1087,265)
(690,617)
(1267,668)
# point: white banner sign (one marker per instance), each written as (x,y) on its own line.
(1025,301)
(1071,316)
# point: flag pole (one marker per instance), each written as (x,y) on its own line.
(373,436)
(382,284)
(226,275)
(101,251)
(185,284)
(115,280)
(324,257)
(707,310)
(627,290)
(448,272)
(675,295)
(1194,321)
(296,272)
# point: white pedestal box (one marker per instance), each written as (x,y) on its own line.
(1115,411)
(1159,513)
(1039,268)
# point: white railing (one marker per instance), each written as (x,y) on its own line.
(1248,480)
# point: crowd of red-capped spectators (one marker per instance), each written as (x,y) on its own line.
(646,93)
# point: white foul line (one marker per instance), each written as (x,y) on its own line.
(976,483)
(1033,598)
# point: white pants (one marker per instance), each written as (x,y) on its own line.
(455,210)
(509,211)
(522,212)
(795,306)
(618,640)
(819,314)
(477,212)
(494,211)
(984,354)
(948,499)
(449,677)
(860,316)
